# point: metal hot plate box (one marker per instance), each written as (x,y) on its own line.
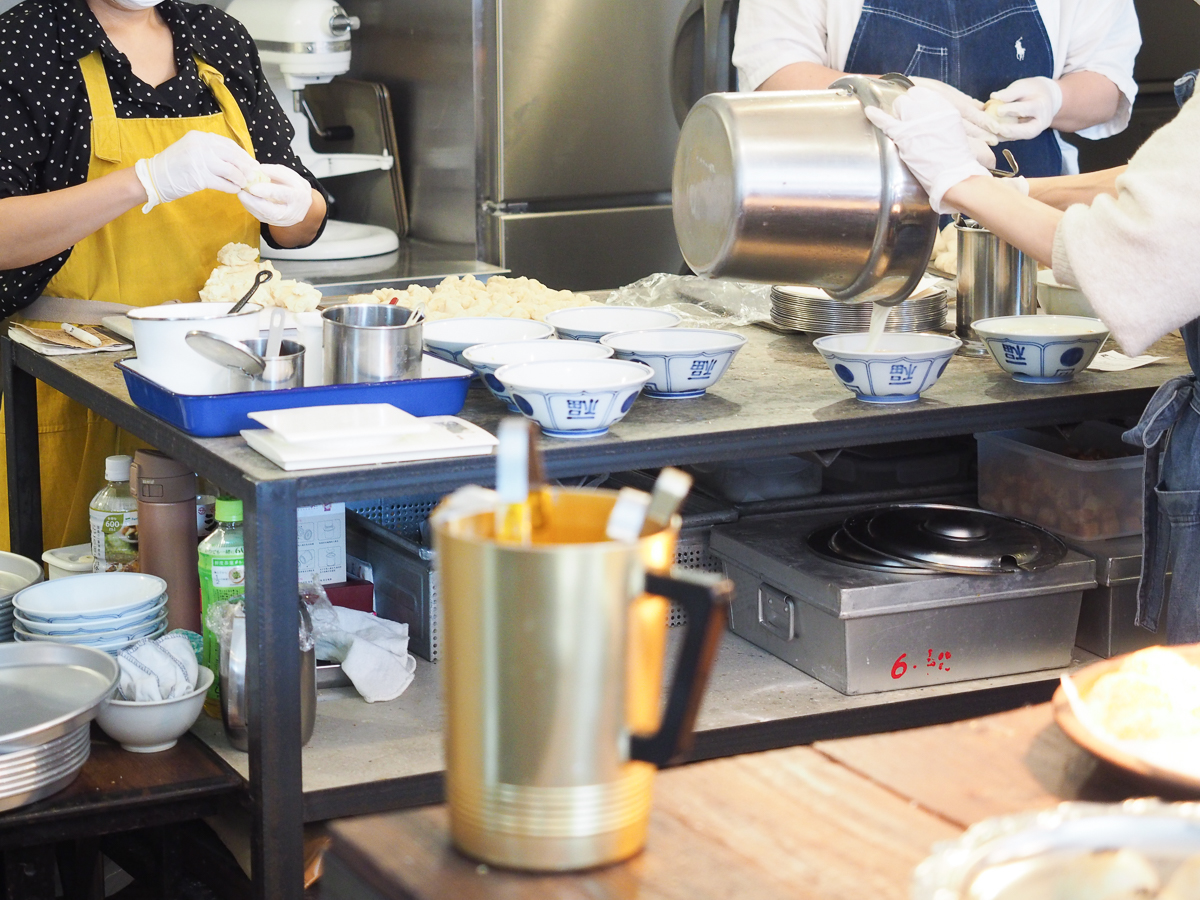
(862,631)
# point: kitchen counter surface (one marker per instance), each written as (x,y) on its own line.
(840,820)
(778,397)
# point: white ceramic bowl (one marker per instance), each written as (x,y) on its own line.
(686,361)
(165,357)
(1060,299)
(590,323)
(154,726)
(577,398)
(1042,349)
(487,358)
(899,370)
(17,573)
(120,631)
(448,338)
(102,595)
(111,647)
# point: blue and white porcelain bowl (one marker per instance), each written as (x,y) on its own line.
(590,323)
(487,358)
(129,633)
(103,595)
(898,370)
(686,361)
(577,398)
(448,338)
(1042,349)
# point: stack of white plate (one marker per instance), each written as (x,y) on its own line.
(16,573)
(811,310)
(51,693)
(108,611)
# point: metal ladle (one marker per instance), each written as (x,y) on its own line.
(260,279)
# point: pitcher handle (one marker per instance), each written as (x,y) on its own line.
(705,599)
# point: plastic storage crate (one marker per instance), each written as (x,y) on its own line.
(1025,474)
(386,534)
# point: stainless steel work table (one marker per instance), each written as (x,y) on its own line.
(777,398)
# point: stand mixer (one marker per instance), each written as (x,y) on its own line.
(303,42)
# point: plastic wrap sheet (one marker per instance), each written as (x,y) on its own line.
(701,302)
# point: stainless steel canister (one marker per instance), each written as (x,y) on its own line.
(371,342)
(235,706)
(552,662)
(994,279)
(798,187)
(283,371)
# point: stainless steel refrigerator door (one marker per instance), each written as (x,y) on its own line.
(585,250)
(585,95)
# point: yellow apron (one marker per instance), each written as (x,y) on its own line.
(139,260)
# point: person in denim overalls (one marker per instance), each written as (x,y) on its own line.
(1046,64)
(1126,237)
(971,47)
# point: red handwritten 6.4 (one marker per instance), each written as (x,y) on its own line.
(941,663)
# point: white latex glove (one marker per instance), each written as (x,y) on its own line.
(1025,108)
(197,161)
(929,134)
(284,200)
(978,124)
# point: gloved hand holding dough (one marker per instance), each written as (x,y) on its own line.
(283,200)
(1025,108)
(197,161)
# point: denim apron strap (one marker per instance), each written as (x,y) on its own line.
(1165,409)
(977,46)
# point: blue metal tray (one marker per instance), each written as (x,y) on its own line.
(440,391)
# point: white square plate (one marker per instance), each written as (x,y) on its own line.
(349,422)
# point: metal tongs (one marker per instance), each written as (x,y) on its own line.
(1015,170)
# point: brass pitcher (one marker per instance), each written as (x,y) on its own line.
(553,656)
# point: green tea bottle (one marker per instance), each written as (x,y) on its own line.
(222,558)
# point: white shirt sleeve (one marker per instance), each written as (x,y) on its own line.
(1134,255)
(1101,36)
(772,34)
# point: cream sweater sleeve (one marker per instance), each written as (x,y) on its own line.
(1137,255)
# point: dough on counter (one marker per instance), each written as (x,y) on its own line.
(945,251)
(516,298)
(1102,875)
(233,277)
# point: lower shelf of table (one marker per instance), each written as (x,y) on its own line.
(367,757)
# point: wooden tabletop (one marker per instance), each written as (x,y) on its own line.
(119,791)
(840,820)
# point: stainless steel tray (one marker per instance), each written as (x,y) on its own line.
(50,690)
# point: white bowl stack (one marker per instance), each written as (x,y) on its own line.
(107,611)
(16,573)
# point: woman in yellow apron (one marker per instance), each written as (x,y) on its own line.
(162,194)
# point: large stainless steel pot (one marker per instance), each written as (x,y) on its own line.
(994,279)
(798,187)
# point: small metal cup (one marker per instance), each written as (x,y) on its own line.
(371,342)
(994,279)
(284,371)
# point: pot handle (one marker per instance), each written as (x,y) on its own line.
(705,599)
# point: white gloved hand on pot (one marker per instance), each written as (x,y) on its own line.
(197,161)
(929,134)
(284,200)
(1025,108)
(978,124)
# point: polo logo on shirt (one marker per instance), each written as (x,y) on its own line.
(1020,49)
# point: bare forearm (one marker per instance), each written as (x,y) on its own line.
(1067,190)
(302,233)
(1021,221)
(803,76)
(39,226)
(1088,99)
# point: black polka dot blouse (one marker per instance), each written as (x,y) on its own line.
(45,119)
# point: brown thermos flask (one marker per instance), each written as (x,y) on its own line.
(166,500)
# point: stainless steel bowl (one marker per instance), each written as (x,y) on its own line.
(371,342)
(798,187)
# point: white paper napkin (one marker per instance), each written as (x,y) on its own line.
(157,670)
(1116,361)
